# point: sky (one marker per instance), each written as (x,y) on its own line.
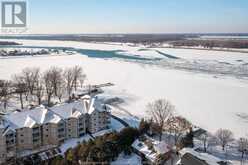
(137,16)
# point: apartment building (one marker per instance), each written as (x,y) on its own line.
(43,127)
(97,118)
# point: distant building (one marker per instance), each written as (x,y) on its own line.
(152,151)
(189,156)
(42,128)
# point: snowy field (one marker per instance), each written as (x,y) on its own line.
(207,100)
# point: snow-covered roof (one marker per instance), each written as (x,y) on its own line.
(41,115)
(29,118)
(210,159)
(96,105)
(5,126)
(51,117)
(8,129)
(70,110)
(159,147)
(77,108)
(3,123)
(143,148)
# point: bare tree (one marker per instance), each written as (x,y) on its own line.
(68,76)
(30,76)
(242,147)
(207,140)
(78,76)
(20,87)
(160,111)
(49,86)
(82,80)
(5,92)
(224,136)
(56,77)
(61,91)
(39,88)
(89,89)
(178,126)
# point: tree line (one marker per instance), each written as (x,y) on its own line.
(31,84)
(212,43)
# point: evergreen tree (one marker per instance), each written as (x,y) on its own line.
(188,140)
(144,126)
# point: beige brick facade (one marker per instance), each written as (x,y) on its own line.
(72,128)
(2,146)
(50,134)
(98,121)
(24,139)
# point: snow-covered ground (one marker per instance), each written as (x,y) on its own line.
(230,154)
(116,125)
(72,143)
(132,159)
(207,100)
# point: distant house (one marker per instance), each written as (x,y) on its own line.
(152,151)
(189,156)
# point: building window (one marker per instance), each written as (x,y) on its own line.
(61,130)
(46,129)
(22,141)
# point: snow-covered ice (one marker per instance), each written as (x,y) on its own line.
(221,56)
(206,100)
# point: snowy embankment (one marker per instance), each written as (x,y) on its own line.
(205,100)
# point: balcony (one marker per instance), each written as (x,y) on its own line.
(61,130)
(35,135)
